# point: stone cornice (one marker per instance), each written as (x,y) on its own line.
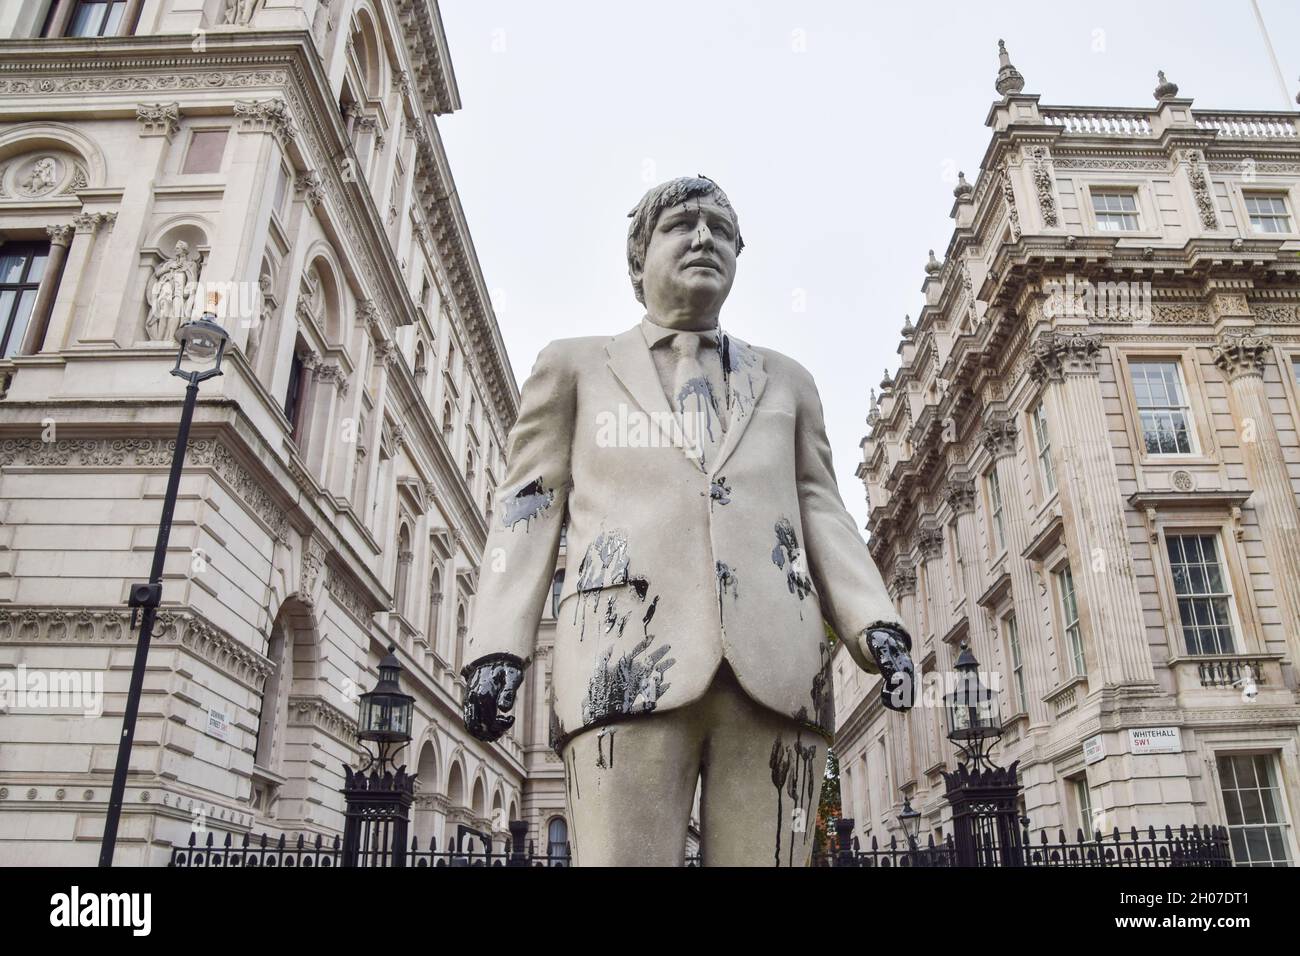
(179,627)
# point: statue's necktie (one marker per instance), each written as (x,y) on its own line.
(697,395)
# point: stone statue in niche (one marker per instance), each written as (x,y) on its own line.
(261,317)
(171,293)
(240,12)
(706,544)
(40,178)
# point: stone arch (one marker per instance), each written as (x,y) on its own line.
(478,797)
(425,822)
(293,648)
(455,789)
(21,141)
(324,293)
(370,53)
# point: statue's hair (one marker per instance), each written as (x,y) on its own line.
(646,215)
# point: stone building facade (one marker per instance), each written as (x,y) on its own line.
(341,474)
(1086,468)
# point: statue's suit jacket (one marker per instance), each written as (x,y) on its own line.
(669,568)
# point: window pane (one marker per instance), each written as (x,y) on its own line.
(114,19)
(206,149)
(19,324)
(11,267)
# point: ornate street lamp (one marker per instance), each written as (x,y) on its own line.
(910,820)
(974,720)
(386,714)
(202,346)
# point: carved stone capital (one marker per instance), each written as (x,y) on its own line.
(266,116)
(158,119)
(60,235)
(90,222)
(904,580)
(331,373)
(310,188)
(999,434)
(1240,353)
(960,493)
(929,541)
(386,352)
(1057,354)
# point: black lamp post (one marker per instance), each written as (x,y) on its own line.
(203,344)
(910,820)
(974,720)
(379,795)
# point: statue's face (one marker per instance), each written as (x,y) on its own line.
(690,262)
(182,247)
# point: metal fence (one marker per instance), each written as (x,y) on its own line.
(1186,847)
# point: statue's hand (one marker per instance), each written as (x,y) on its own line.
(891,646)
(493,682)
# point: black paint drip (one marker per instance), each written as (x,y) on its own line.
(788,556)
(529,502)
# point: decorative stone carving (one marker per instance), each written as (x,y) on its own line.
(1044,187)
(929,541)
(960,493)
(1276,314)
(271,116)
(1228,304)
(332,373)
(1200,183)
(60,235)
(1182,480)
(37,178)
(99,625)
(159,119)
(313,563)
(999,434)
(239,12)
(1180,314)
(1164,89)
(309,188)
(1240,353)
(1009,79)
(347,596)
(904,581)
(1009,198)
(171,293)
(90,222)
(1056,354)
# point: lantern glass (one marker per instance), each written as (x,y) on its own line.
(202,339)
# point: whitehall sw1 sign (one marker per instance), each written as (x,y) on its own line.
(1155,740)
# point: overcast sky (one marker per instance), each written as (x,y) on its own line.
(836,128)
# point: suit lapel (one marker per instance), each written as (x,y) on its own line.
(630,361)
(742,367)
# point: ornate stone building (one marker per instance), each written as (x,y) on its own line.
(341,474)
(1086,467)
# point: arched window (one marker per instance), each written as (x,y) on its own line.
(421,366)
(460,637)
(447,422)
(404,557)
(557,841)
(469,465)
(435,608)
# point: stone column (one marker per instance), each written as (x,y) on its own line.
(60,239)
(960,492)
(999,437)
(76,284)
(929,544)
(1241,355)
(1110,606)
(904,730)
(330,386)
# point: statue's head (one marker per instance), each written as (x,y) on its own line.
(682,246)
(182,247)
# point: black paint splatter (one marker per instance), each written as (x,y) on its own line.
(727,582)
(779,762)
(792,768)
(529,502)
(738,359)
(627,685)
(600,747)
(719,491)
(788,556)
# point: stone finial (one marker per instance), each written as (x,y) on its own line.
(908,328)
(934,266)
(873,413)
(1009,79)
(1164,89)
(962,191)
(886,382)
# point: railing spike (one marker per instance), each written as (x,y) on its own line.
(210,836)
(228,837)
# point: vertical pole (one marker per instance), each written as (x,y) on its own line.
(146,631)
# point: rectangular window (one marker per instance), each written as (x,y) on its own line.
(1115,210)
(22,264)
(1162,407)
(1044,450)
(1203,594)
(1268,212)
(96,18)
(206,149)
(293,397)
(1083,803)
(281,187)
(995,512)
(1017,662)
(1070,619)
(1252,800)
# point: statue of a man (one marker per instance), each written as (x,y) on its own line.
(707,540)
(171,293)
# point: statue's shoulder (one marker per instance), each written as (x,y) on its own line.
(776,364)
